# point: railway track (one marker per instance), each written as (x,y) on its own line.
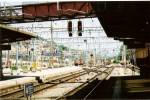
(80,85)
(18,91)
(104,74)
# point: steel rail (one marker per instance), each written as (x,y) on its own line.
(17,91)
(107,71)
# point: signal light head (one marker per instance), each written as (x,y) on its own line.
(70,26)
(79,26)
(79,34)
(70,34)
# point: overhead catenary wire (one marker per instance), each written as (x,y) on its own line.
(60,36)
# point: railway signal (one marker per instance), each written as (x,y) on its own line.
(70,34)
(79,28)
(70,28)
(79,33)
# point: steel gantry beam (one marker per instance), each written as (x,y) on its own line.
(45,12)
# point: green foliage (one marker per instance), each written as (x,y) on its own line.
(63,48)
(116,61)
(14,68)
(128,53)
(24,68)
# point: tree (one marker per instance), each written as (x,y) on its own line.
(63,48)
(128,53)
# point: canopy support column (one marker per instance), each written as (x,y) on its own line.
(1,69)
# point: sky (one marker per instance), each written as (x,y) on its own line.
(98,42)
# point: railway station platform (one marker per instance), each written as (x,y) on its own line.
(116,87)
(26,51)
(75,83)
(64,80)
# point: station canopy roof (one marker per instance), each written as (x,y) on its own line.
(14,35)
(127,21)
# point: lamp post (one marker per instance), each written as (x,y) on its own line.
(51,48)
(17,53)
(125,56)
(1,69)
(85,41)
